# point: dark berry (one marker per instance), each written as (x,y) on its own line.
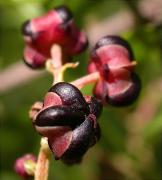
(95,105)
(118,85)
(97,135)
(60,116)
(128,96)
(70,95)
(69,122)
(81,140)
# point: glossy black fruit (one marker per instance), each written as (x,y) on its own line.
(69,121)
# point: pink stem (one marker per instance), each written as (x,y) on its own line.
(85,80)
(42,167)
(56,54)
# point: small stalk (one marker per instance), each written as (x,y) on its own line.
(54,64)
(85,80)
(42,167)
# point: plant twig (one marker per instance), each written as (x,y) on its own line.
(85,80)
(41,172)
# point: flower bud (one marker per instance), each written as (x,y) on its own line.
(25,165)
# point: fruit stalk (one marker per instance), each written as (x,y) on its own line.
(85,80)
(41,172)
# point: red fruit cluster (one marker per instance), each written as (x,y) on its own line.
(69,121)
(113,58)
(56,27)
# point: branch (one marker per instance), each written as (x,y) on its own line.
(42,167)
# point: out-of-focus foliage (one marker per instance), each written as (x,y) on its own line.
(130,147)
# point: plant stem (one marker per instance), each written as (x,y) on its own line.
(56,54)
(56,61)
(41,172)
(85,80)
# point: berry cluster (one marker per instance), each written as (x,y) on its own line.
(69,120)
(113,58)
(56,27)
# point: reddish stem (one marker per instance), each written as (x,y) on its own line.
(85,80)
(42,167)
(56,54)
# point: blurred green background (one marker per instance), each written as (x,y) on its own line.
(131,143)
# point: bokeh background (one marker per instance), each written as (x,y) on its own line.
(131,143)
